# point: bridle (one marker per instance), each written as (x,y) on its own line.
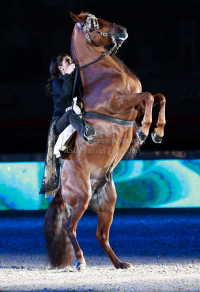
(92,22)
(89,25)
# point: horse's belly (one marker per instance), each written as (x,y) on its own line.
(92,163)
(110,144)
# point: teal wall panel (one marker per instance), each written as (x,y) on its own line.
(158,183)
(139,184)
(19,186)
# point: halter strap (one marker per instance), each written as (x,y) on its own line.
(105,34)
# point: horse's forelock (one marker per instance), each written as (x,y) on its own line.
(83,15)
(103,22)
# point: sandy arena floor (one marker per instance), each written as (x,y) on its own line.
(163,246)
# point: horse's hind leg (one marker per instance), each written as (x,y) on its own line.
(105,218)
(71,226)
(77,195)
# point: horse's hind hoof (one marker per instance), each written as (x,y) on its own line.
(79,266)
(126,265)
(141,136)
(155,137)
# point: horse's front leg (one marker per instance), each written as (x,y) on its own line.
(158,132)
(105,218)
(132,100)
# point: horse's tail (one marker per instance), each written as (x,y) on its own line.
(58,244)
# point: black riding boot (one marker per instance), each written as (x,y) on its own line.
(85,131)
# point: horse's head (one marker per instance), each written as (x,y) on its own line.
(98,32)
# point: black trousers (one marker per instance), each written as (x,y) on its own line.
(70,118)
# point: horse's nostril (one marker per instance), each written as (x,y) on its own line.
(119,29)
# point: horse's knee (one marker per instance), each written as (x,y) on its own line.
(160,98)
(149,97)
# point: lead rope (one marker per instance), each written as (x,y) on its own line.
(73,92)
(77,68)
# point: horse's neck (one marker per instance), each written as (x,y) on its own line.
(106,67)
(83,52)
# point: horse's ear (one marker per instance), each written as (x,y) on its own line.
(75,17)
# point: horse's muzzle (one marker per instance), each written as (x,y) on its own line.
(121,33)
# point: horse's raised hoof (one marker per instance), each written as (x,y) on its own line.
(155,137)
(141,136)
(79,266)
(126,266)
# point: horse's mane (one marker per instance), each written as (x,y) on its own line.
(135,145)
(123,67)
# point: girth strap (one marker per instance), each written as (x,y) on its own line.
(108,118)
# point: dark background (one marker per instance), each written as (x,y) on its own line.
(162,49)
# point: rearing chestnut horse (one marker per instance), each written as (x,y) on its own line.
(111,90)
